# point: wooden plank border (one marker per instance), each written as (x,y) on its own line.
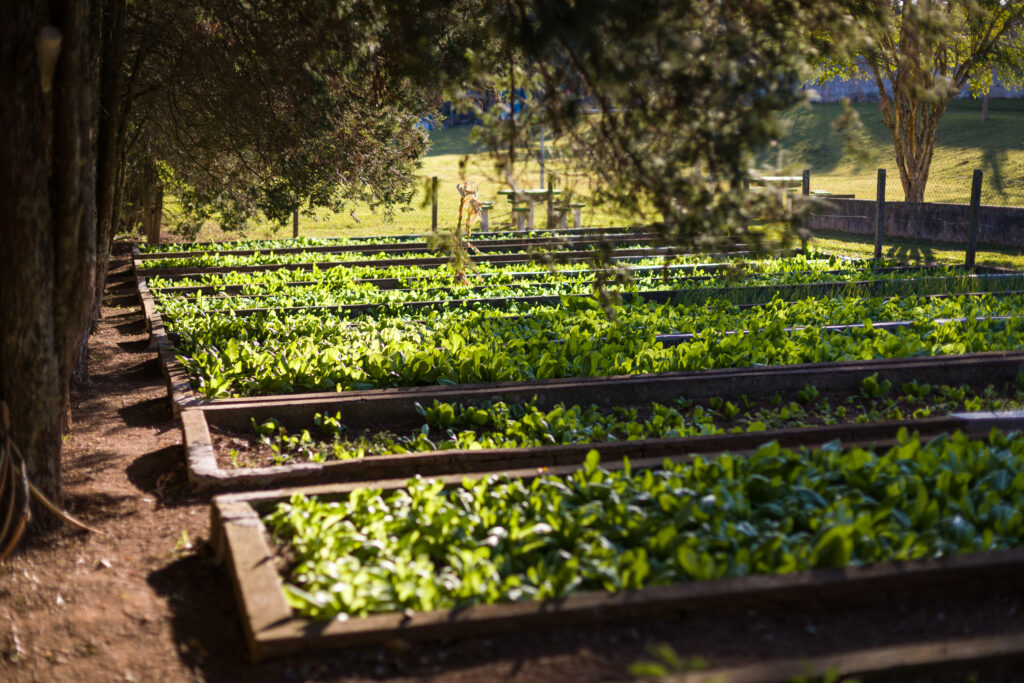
(179,384)
(904,659)
(595,232)
(272,631)
(204,472)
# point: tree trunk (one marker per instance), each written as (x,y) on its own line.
(152,202)
(110,135)
(47,225)
(913,124)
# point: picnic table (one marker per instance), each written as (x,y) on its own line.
(523,215)
(778,181)
(527,194)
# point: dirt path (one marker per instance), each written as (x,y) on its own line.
(145,602)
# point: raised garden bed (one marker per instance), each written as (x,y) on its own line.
(621,255)
(486,245)
(983,326)
(399,410)
(274,629)
(684,269)
(233,247)
(181,392)
(743,295)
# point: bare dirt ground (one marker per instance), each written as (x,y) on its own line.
(145,601)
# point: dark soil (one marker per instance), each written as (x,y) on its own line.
(145,600)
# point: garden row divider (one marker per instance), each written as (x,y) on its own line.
(596,232)
(966,368)
(483,245)
(179,384)
(271,629)
(674,271)
(205,473)
(762,294)
(624,255)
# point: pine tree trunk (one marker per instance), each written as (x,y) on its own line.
(47,226)
(112,112)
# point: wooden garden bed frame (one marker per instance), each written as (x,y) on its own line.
(676,271)
(272,630)
(541,233)
(482,245)
(621,255)
(205,473)
(970,369)
(397,283)
(762,294)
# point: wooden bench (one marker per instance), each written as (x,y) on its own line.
(523,217)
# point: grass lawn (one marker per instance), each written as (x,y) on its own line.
(452,158)
(915,251)
(965,143)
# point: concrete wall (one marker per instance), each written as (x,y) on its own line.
(997,225)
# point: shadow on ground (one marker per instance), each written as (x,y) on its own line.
(148,413)
(163,475)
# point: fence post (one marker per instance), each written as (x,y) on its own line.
(972,219)
(295,223)
(880,213)
(806,182)
(433,204)
(551,204)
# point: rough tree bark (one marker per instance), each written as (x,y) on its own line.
(110,133)
(110,108)
(47,225)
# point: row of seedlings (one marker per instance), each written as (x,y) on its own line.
(691,425)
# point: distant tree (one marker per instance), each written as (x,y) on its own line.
(296,98)
(922,54)
(664,103)
(255,104)
(269,107)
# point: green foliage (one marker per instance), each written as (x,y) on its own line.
(271,353)
(762,282)
(779,510)
(661,104)
(519,425)
(262,109)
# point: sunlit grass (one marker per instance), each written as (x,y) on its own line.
(965,143)
(453,158)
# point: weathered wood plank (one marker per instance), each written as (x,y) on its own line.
(204,471)
(397,407)
(896,659)
(274,636)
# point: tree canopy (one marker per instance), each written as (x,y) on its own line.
(922,54)
(259,104)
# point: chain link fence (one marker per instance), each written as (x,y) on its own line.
(996,189)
